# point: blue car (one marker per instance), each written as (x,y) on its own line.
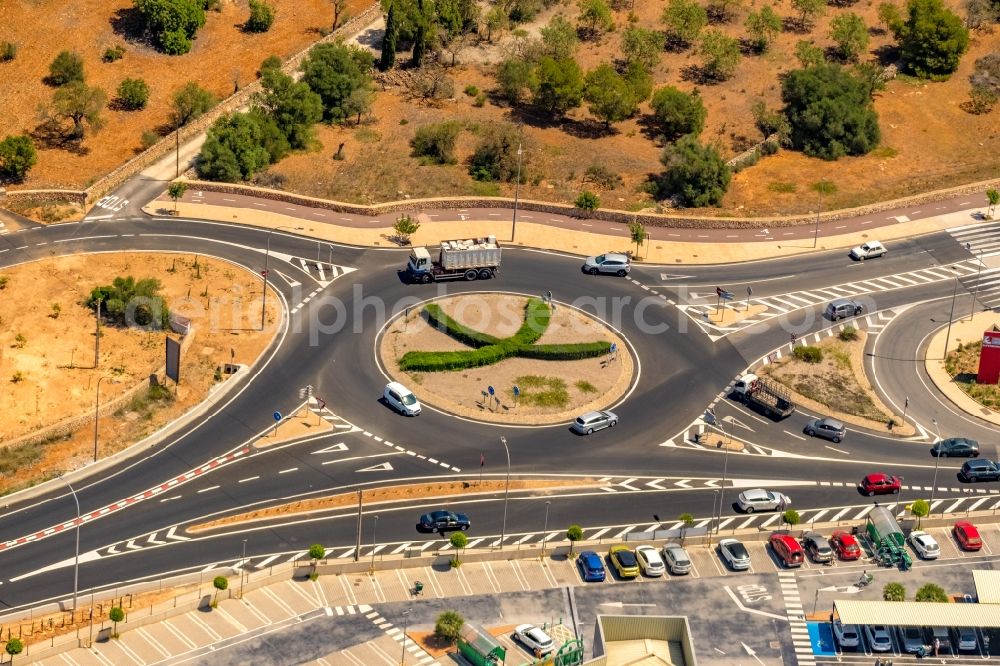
(591,566)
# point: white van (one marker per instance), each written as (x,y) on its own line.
(401,399)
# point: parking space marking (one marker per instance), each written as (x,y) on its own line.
(491,577)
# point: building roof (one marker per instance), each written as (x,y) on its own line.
(987,585)
(918,613)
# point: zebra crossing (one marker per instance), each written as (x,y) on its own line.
(983,241)
(418,653)
(796,618)
(771,307)
(322,271)
(969,499)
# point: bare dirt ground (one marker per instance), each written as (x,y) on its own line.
(837,386)
(222,55)
(589,383)
(48,374)
(928,141)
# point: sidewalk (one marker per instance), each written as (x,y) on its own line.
(540,236)
(962,331)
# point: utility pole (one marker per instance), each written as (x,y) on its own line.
(357,545)
(951,315)
(97,334)
(243,566)
(979,274)
(506,490)
(517,186)
(76,561)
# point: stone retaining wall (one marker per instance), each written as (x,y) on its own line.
(648,219)
(8,197)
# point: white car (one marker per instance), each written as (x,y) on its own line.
(534,639)
(869,250)
(401,399)
(735,553)
(925,545)
(677,559)
(878,637)
(759,499)
(847,634)
(650,561)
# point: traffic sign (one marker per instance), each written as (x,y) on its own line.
(614,347)
(517,391)
(277,416)
(264,272)
(490,389)
(749,291)
(723,294)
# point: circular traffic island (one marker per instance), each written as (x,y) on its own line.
(545,362)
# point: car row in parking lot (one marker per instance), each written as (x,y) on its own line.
(628,563)
(913,640)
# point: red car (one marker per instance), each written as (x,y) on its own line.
(787,549)
(880,484)
(846,545)
(967,535)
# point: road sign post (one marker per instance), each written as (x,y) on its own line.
(492,393)
(749,294)
(277,420)
(517,394)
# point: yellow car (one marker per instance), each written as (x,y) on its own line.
(624,562)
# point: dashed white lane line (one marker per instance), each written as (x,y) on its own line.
(290,469)
(249,478)
(205,490)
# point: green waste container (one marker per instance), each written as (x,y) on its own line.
(479,647)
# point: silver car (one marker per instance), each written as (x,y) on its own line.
(827,428)
(912,639)
(847,634)
(735,554)
(878,637)
(611,263)
(677,559)
(759,499)
(587,423)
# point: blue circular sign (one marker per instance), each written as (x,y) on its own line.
(614,346)
(277,416)
(517,390)
(490,389)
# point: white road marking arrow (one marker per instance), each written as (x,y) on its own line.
(381,467)
(131,545)
(154,541)
(751,652)
(683,484)
(712,483)
(339,446)
(626,482)
(84,557)
(112,550)
(656,484)
(618,604)
(846,589)
(171,535)
(290,281)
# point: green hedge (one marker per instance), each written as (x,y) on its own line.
(536,321)
(572,352)
(438,319)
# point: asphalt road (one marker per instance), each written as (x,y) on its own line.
(683,371)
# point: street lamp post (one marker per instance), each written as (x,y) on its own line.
(406,620)
(725,470)
(267,254)
(979,274)
(937,461)
(506,490)
(374,528)
(545,529)
(517,190)
(76,559)
(97,405)
(243,561)
(816,232)
(951,315)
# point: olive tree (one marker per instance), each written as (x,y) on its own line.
(683,20)
(678,113)
(116,615)
(721,55)
(850,34)
(574,533)
(696,175)
(762,28)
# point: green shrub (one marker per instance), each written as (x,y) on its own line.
(587,201)
(808,354)
(566,352)
(436,142)
(270,62)
(471,90)
(133,94)
(480,100)
(8,51)
(848,334)
(173,23)
(894,592)
(436,317)
(67,67)
(931,592)
(148,139)
(113,53)
(261,16)
(784,188)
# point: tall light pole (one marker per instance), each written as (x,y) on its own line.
(816,232)
(951,315)
(243,561)
(517,187)
(76,560)
(406,620)
(374,529)
(979,274)
(97,405)
(937,461)
(725,470)
(267,254)
(545,530)
(506,490)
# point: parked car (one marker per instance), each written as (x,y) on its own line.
(440,521)
(818,548)
(735,554)
(846,545)
(847,635)
(956,447)
(677,559)
(533,638)
(787,549)
(827,428)
(650,561)
(964,638)
(587,423)
(967,535)
(980,469)
(611,262)
(624,562)
(924,544)
(591,566)
(843,307)
(943,635)
(880,484)
(401,399)
(759,499)
(868,250)
(878,637)
(912,639)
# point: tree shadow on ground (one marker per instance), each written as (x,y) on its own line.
(700,75)
(650,129)
(50,133)
(794,25)
(128,24)
(887,54)
(588,128)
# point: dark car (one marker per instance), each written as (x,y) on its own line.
(591,566)
(441,521)
(818,548)
(980,469)
(956,447)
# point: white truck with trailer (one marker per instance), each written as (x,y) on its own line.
(473,259)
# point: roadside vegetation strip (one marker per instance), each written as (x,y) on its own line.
(392,494)
(490,350)
(962,365)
